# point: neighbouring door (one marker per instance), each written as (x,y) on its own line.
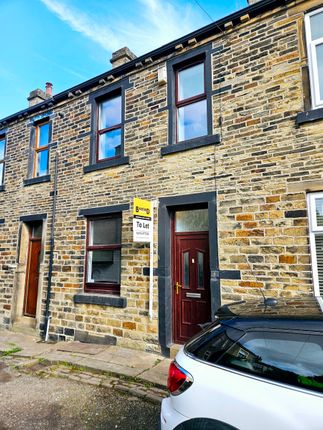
(32,277)
(191,273)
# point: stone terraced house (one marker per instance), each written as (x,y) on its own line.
(222,130)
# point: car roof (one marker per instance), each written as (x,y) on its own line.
(301,313)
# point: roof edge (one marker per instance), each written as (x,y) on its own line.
(199,34)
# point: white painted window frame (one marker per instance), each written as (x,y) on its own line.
(317,102)
(314,230)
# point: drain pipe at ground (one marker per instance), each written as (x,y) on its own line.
(51,252)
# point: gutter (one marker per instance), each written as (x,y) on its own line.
(200,34)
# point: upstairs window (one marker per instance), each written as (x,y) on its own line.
(191,102)
(41,157)
(109,144)
(108,126)
(103,255)
(315,208)
(314,38)
(2,155)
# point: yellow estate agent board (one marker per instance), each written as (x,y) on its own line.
(142,220)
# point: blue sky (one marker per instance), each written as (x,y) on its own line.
(69,41)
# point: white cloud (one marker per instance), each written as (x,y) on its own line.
(83,23)
(148,25)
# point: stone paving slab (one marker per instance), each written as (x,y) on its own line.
(157,374)
(110,360)
(132,358)
(79,347)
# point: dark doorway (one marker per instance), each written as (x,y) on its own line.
(191,273)
(32,274)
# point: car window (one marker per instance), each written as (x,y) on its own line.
(213,342)
(290,358)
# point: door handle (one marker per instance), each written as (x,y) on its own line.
(177,286)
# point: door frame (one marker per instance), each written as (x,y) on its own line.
(166,209)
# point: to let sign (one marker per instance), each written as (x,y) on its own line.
(142,220)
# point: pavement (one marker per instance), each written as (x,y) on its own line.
(137,372)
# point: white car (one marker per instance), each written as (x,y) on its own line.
(259,366)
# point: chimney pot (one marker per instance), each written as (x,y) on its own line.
(49,89)
(122,56)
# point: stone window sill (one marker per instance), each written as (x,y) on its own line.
(102,300)
(309,116)
(39,180)
(191,144)
(106,164)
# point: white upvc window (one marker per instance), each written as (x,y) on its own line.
(315,208)
(314,39)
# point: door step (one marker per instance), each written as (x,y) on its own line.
(25,325)
(174,348)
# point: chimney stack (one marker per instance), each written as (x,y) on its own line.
(38,95)
(121,56)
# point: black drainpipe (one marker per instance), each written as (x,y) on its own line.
(51,252)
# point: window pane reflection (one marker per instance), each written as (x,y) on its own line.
(1,173)
(106,232)
(317,26)
(104,266)
(192,121)
(37,230)
(2,148)
(42,163)
(110,144)
(110,113)
(319,55)
(191,82)
(43,136)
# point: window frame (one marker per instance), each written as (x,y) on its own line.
(317,102)
(3,160)
(37,149)
(202,53)
(99,132)
(191,100)
(101,287)
(95,98)
(314,230)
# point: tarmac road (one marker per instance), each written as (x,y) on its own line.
(29,402)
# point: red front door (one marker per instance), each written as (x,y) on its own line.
(32,277)
(191,284)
